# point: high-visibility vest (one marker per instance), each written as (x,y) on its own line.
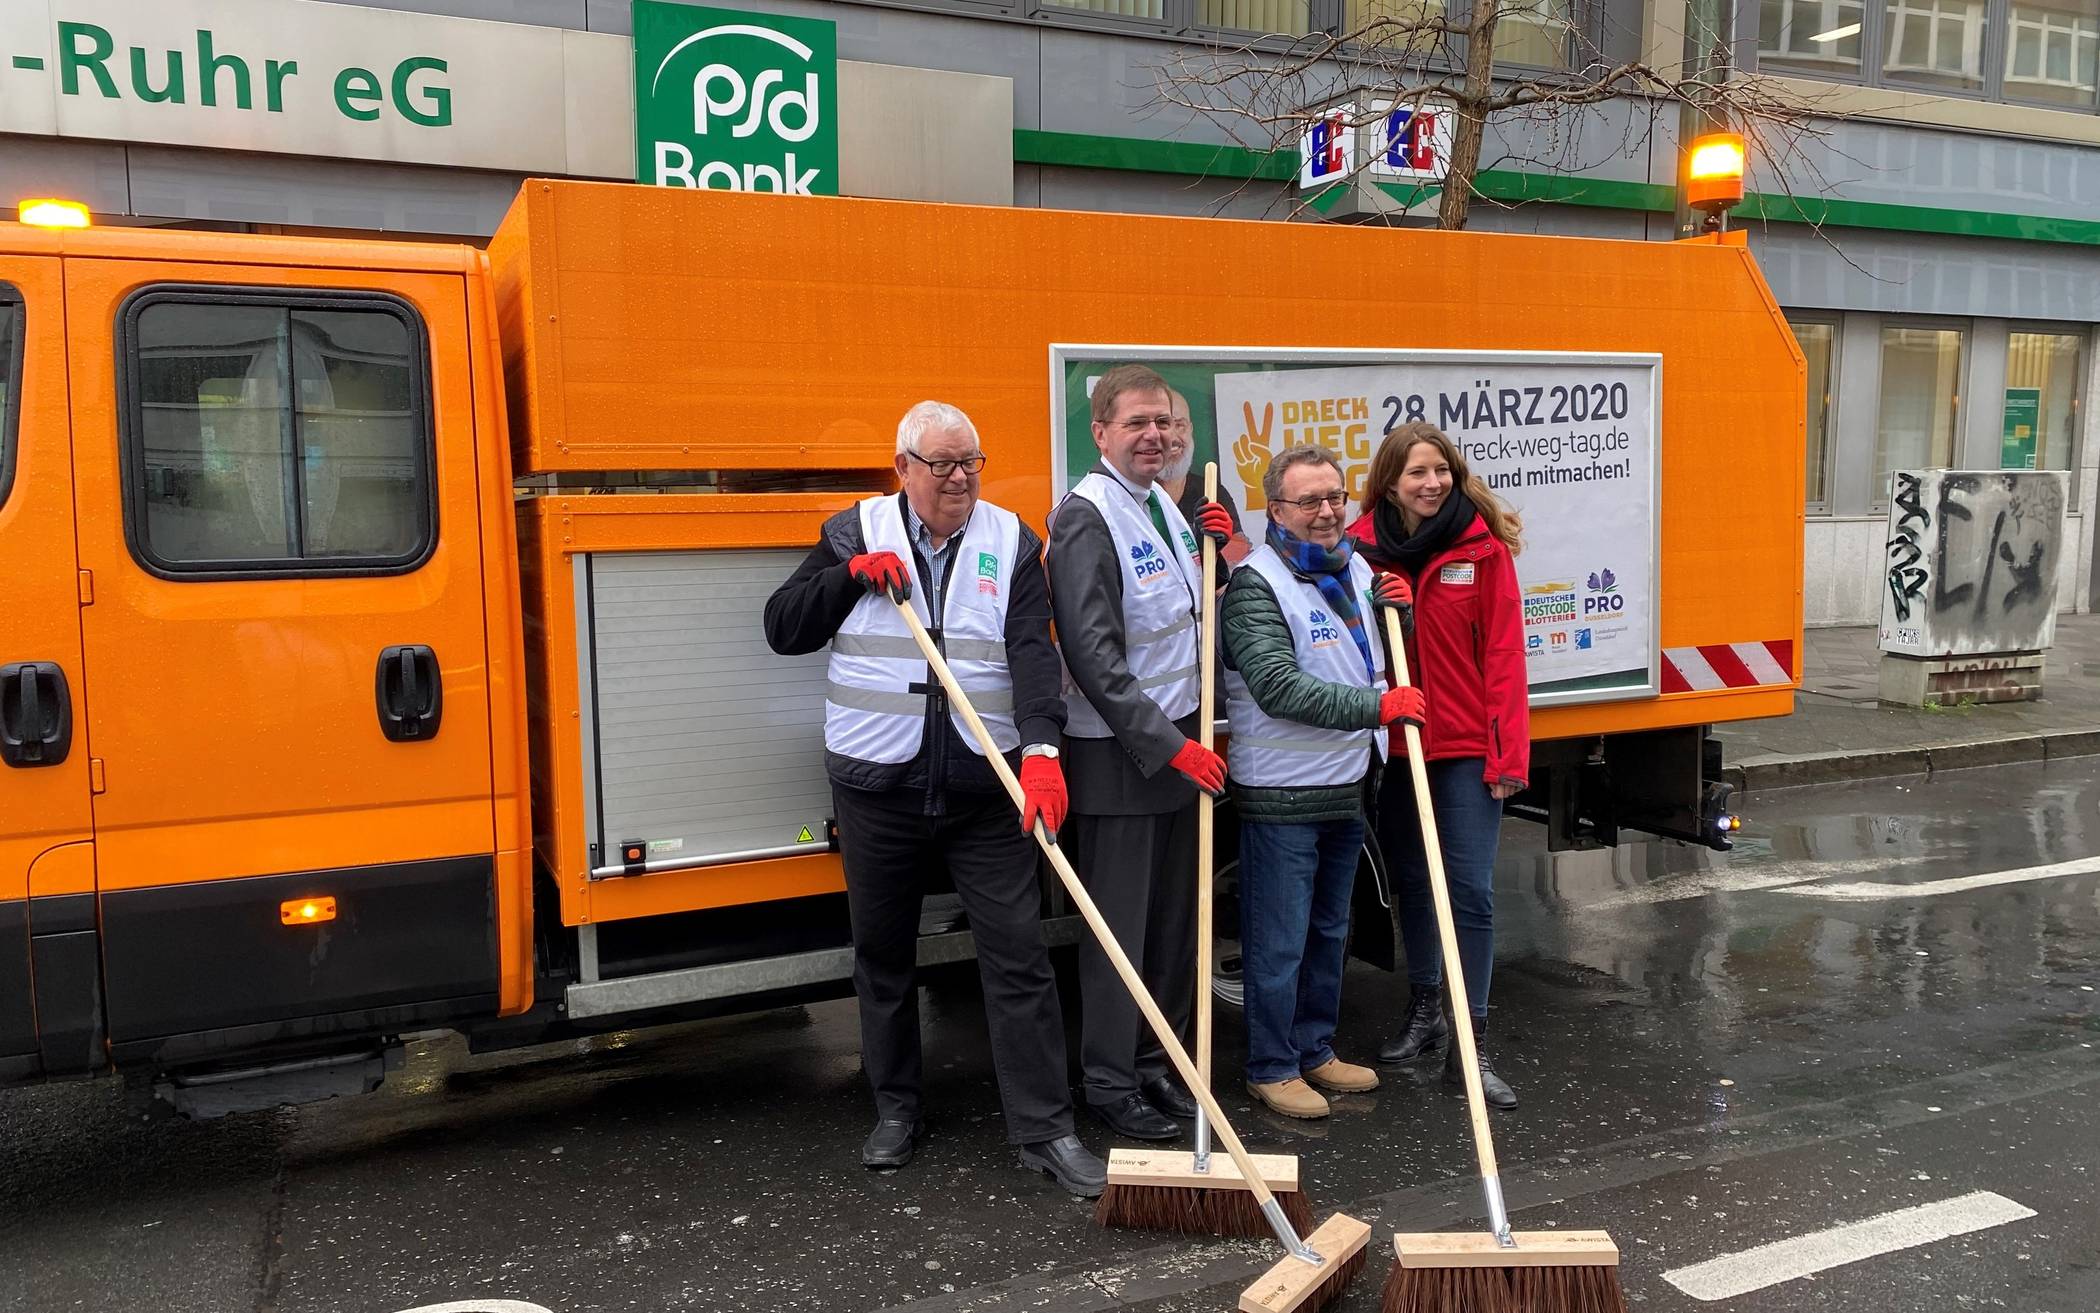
(875,706)
(1160,580)
(1268,753)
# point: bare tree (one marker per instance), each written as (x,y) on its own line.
(1411,53)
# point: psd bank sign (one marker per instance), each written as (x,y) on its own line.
(735,101)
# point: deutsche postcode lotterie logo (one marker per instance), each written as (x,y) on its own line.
(735,101)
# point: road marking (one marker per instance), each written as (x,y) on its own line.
(481,1306)
(1861,893)
(1819,1251)
(1746,877)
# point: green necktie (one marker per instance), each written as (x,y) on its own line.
(1159,522)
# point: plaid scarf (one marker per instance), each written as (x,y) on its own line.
(1328,568)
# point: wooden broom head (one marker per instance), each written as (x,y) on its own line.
(1177,1167)
(1533,1249)
(1297,1287)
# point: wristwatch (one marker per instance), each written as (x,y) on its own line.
(1040,750)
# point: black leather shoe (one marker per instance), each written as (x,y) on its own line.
(1421,1032)
(1493,1089)
(1066,1161)
(1134,1119)
(1167,1096)
(891,1144)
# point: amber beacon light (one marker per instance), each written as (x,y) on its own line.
(50,212)
(1714,175)
(307,911)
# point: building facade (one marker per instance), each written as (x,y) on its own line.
(1935,242)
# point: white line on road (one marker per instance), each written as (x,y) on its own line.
(1958,884)
(1748,877)
(1819,1251)
(481,1306)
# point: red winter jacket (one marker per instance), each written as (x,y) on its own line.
(1467,653)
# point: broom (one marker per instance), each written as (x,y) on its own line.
(1314,1271)
(1503,1271)
(1168,1190)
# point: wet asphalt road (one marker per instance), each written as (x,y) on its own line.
(1712,1053)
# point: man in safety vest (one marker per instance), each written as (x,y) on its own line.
(1125,581)
(1308,703)
(912,789)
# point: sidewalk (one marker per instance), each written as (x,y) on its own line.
(1840,731)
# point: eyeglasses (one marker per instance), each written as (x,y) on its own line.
(1311,505)
(1139,423)
(941,469)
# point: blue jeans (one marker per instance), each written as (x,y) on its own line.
(1469,826)
(1295,882)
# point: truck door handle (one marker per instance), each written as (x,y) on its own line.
(36,714)
(410,692)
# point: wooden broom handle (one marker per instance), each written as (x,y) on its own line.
(1206,817)
(1077,893)
(1447,930)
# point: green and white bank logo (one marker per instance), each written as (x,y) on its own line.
(735,101)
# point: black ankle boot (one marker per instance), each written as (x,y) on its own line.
(1493,1088)
(1423,1029)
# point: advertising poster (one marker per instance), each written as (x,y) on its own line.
(1569,440)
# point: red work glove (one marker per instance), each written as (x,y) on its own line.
(1390,592)
(881,572)
(1042,794)
(1215,522)
(1403,705)
(1204,768)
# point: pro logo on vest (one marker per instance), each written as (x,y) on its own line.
(1325,633)
(1147,563)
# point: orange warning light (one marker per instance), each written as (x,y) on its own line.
(307,911)
(1714,176)
(50,212)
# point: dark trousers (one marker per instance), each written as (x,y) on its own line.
(1469,828)
(1295,882)
(888,848)
(1141,873)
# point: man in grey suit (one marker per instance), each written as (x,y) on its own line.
(1125,575)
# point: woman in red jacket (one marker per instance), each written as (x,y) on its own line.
(1430,521)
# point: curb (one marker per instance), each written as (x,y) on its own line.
(1759,773)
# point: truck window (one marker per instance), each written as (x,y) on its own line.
(10,384)
(273,433)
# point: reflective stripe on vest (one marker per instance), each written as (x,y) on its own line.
(1159,605)
(1268,753)
(875,706)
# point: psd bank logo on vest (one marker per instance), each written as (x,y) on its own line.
(735,101)
(1325,633)
(1147,563)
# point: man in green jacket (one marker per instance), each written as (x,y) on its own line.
(1307,700)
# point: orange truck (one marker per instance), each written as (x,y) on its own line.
(382,648)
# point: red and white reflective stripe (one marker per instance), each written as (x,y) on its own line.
(1727,665)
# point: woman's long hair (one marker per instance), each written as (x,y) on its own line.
(1391,458)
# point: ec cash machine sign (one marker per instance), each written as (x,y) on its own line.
(735,101)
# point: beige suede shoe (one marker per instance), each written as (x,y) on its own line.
(1292,1098)
(1341,1077)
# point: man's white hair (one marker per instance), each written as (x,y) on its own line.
(930,417)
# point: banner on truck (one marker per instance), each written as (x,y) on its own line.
(1568,439)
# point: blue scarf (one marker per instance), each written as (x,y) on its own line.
(1328,568)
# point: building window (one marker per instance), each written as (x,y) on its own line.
(10,384)
(2052,52)
(1534,32)
(1269,17)
(1814,36)
(2043,373)
(1921,370)
(276,433)
(1819,344)
(1152,11)
(1936,41)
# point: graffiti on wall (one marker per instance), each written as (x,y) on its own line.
(1971,561)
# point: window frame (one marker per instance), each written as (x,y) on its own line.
(2079,400)
(2010,97)
(1966,328)
(131,437)
(1834,321)
(11,417)
(1872,72)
